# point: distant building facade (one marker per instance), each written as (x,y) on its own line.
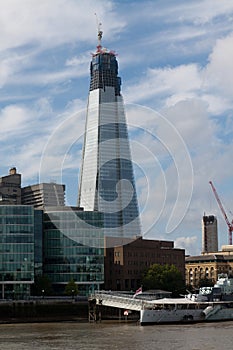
(10,188)
(208,266)
(44,195)
(126,263)
(73,248)
(209,234)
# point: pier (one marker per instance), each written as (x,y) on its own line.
(118,300)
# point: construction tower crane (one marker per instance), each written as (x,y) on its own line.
(229,224)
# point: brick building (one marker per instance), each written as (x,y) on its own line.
(126,262)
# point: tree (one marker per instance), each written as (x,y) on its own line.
(71,288)
(165,277)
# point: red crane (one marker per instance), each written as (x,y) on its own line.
(229,224)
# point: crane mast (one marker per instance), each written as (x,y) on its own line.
(229,224)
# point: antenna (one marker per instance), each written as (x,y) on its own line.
(100,32)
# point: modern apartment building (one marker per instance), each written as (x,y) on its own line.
(107,180)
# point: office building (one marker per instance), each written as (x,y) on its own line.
(10,188)
(125,263)
(107,180)
(73,248)
(44,195)
(209,234)
(16,250)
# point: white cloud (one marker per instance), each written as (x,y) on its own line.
(187,243)
(78,61)
(51,23)
(211,83)
(220,67)
(28,133)
(14,121)
(29,28)
(197,12)
(174,83)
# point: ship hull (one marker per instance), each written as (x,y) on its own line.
(204,312)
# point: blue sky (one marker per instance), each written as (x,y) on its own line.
(176,63)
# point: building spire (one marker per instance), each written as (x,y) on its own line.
(100,33)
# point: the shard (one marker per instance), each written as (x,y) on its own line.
(106,179)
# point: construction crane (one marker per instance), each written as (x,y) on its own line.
(229,224)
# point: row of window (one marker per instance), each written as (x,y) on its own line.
(12,239)
(66,251)
(52,268)
(17,267)
(78,277)
(16,210)
(16,229)
(18,276)
(16,248)
(17,256)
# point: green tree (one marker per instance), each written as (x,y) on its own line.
(71,288)
(166,277)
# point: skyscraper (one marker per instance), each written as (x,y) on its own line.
(107,180)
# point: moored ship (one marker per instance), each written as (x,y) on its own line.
(210,304)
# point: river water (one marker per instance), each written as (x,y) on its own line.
(114,336)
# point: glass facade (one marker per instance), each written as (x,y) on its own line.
(38,241)
(107,180)
(73,248)
(16,250)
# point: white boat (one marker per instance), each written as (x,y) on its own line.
(210,304)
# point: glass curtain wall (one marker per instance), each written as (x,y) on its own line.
(73,249)
(16,251)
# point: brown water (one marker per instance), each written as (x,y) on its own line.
(113,336)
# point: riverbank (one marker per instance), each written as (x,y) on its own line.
(43,310)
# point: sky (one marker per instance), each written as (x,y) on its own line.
(176,63)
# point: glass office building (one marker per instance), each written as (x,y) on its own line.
(73,248)
(16,250)
(107,181)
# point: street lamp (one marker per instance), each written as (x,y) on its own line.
(42,293)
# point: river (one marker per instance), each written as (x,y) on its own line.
(114,336)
